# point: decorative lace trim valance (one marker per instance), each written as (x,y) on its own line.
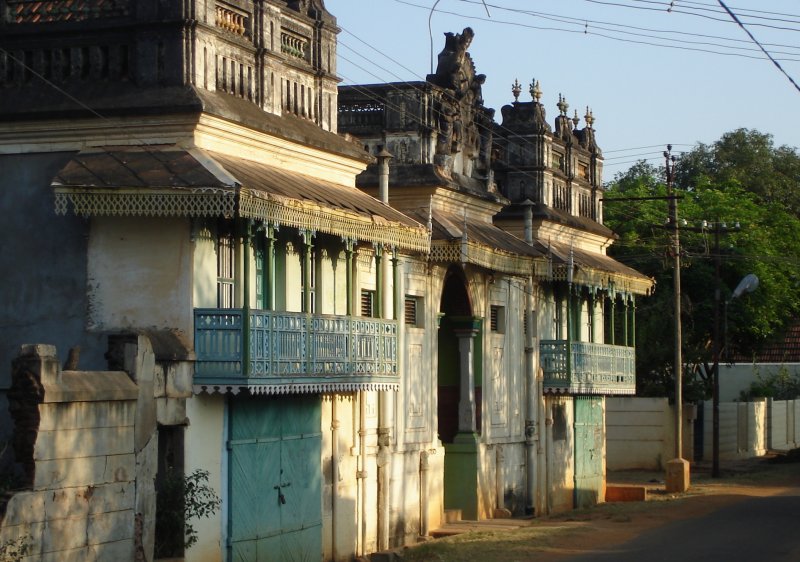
(221,202)
(477,254)
(302,388)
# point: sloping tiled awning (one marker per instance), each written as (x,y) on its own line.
(592,269)
(174,182)
(478,243)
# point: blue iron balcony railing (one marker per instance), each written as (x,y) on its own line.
(593,368)
(292,348)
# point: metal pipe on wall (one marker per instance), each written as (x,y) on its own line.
(385,411)
(334,474)
(424,466)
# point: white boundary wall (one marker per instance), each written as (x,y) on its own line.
(750,429)
(640,432)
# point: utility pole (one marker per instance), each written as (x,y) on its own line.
(716,350)
(676,250)
(677,479)
(719,228)
(677,469)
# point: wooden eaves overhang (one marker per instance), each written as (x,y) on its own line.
(458,240)
(591,269)
(175,182)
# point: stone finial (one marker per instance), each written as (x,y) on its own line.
(589,117)
(516,89)
(562,105)
(576,119)
(535,90)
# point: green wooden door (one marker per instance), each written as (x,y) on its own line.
(588,450)
(275,479)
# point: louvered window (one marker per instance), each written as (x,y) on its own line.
(413,311)
(497,319)
(367,303)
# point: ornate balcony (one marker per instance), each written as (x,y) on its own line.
(593,368)
(282,352)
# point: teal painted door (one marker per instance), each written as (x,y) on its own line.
(275,479)
(588,450)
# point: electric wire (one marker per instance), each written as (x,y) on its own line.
(714,9)
(584,23)
(775,62)
(680,46)
(677,11)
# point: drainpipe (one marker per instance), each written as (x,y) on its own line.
(383,175)
(334,475)
(424,466)
(384,397)
(532,445)
(546,417)
(499,460)
(361,475)
(361,460)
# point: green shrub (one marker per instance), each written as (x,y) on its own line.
(13,550)
(179,500)
(782,385)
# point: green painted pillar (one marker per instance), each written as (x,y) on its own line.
(613,299)
(569,332)
(461,457)
(269,268)
(378,281)
(349,243)
(397,298)
(245,230)
(308,247)
(625,321)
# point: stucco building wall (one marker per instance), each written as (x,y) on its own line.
(41,303)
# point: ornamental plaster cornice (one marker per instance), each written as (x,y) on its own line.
(188,130)
(229,138)
(456,203)
(64,135)
(546,230)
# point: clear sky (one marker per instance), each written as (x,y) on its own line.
(651,76)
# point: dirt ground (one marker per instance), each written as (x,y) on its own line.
(549,539)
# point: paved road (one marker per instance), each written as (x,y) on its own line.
(752,530)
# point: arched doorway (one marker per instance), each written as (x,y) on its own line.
(459,393)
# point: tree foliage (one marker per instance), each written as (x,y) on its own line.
(744,179)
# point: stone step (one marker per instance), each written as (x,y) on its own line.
(459,527)
(452,515)
(628,493)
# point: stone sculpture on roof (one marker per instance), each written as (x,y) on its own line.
(463,123)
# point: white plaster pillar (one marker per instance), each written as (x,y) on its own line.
(466,404)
